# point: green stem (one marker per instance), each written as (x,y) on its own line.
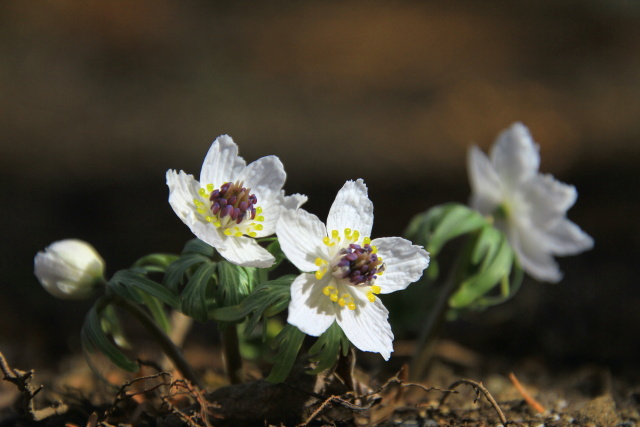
(168,347)
(231,349)
(425,345)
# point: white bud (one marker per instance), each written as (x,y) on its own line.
(69,269)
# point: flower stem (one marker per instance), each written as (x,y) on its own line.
(425,345)
(168,347)
(231,349)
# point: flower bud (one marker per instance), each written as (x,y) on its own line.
(69,269)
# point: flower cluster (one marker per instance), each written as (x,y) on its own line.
(344,270)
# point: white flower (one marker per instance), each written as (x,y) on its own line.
(69,269)
(232,203)
(345,270)
(528,206)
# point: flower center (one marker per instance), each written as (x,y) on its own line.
(355,265)
(358,264)
(233,209)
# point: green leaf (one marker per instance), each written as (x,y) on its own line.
(491,260)
(194,296)
(442,223)
(288,342)
(176,272)
(197,246)
(326,349)
(157,312)
(94,338)
(235,283)
(268,299)
(126,284)
(160,261)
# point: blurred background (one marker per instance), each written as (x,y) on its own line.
(99,99)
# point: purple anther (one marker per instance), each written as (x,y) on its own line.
(243,206)
(226,210)
(231,200)
(223,202)
(354,246)
(214,194)
(343,263)
(253,214)
(215,208)
(351,257)
(364,268)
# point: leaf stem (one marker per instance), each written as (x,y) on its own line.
(168,347)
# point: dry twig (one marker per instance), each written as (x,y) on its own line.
(22,380)
(478,387)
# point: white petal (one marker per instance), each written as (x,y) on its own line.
(294,201)
(566,238)
(533,254)
(367,326)
(222,163)
(246,252)
(183,189)
(352,209)
(485,184)
(271,209)
(549,199)
(515,155)
(300,235)
(310,310)
(265,177)
(404,263)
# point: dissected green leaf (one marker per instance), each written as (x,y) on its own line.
(155,262)
(197,246)
(326,349)
(491,260)
(157,312)
(195,294)
(442,223)
(128,284)
(288,342)
(176,273)
(266,300)
(94,338)
(235,283)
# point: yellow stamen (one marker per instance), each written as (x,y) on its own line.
(259,218)
(334,297)
(228,232)
(366,240)
(202,192)
(327,290)
(341,302)
(210,188)
(252,234)
(375,289)
(319,262)
(371,297)
(351,305)
(259,227)
(347,232)
(258,210)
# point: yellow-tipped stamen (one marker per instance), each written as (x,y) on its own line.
(366,241)
(210,188)
(376,289)
(351,305)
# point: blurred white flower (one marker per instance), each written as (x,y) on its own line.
(69,269)
(345,270)
(232,203)
(528,206)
